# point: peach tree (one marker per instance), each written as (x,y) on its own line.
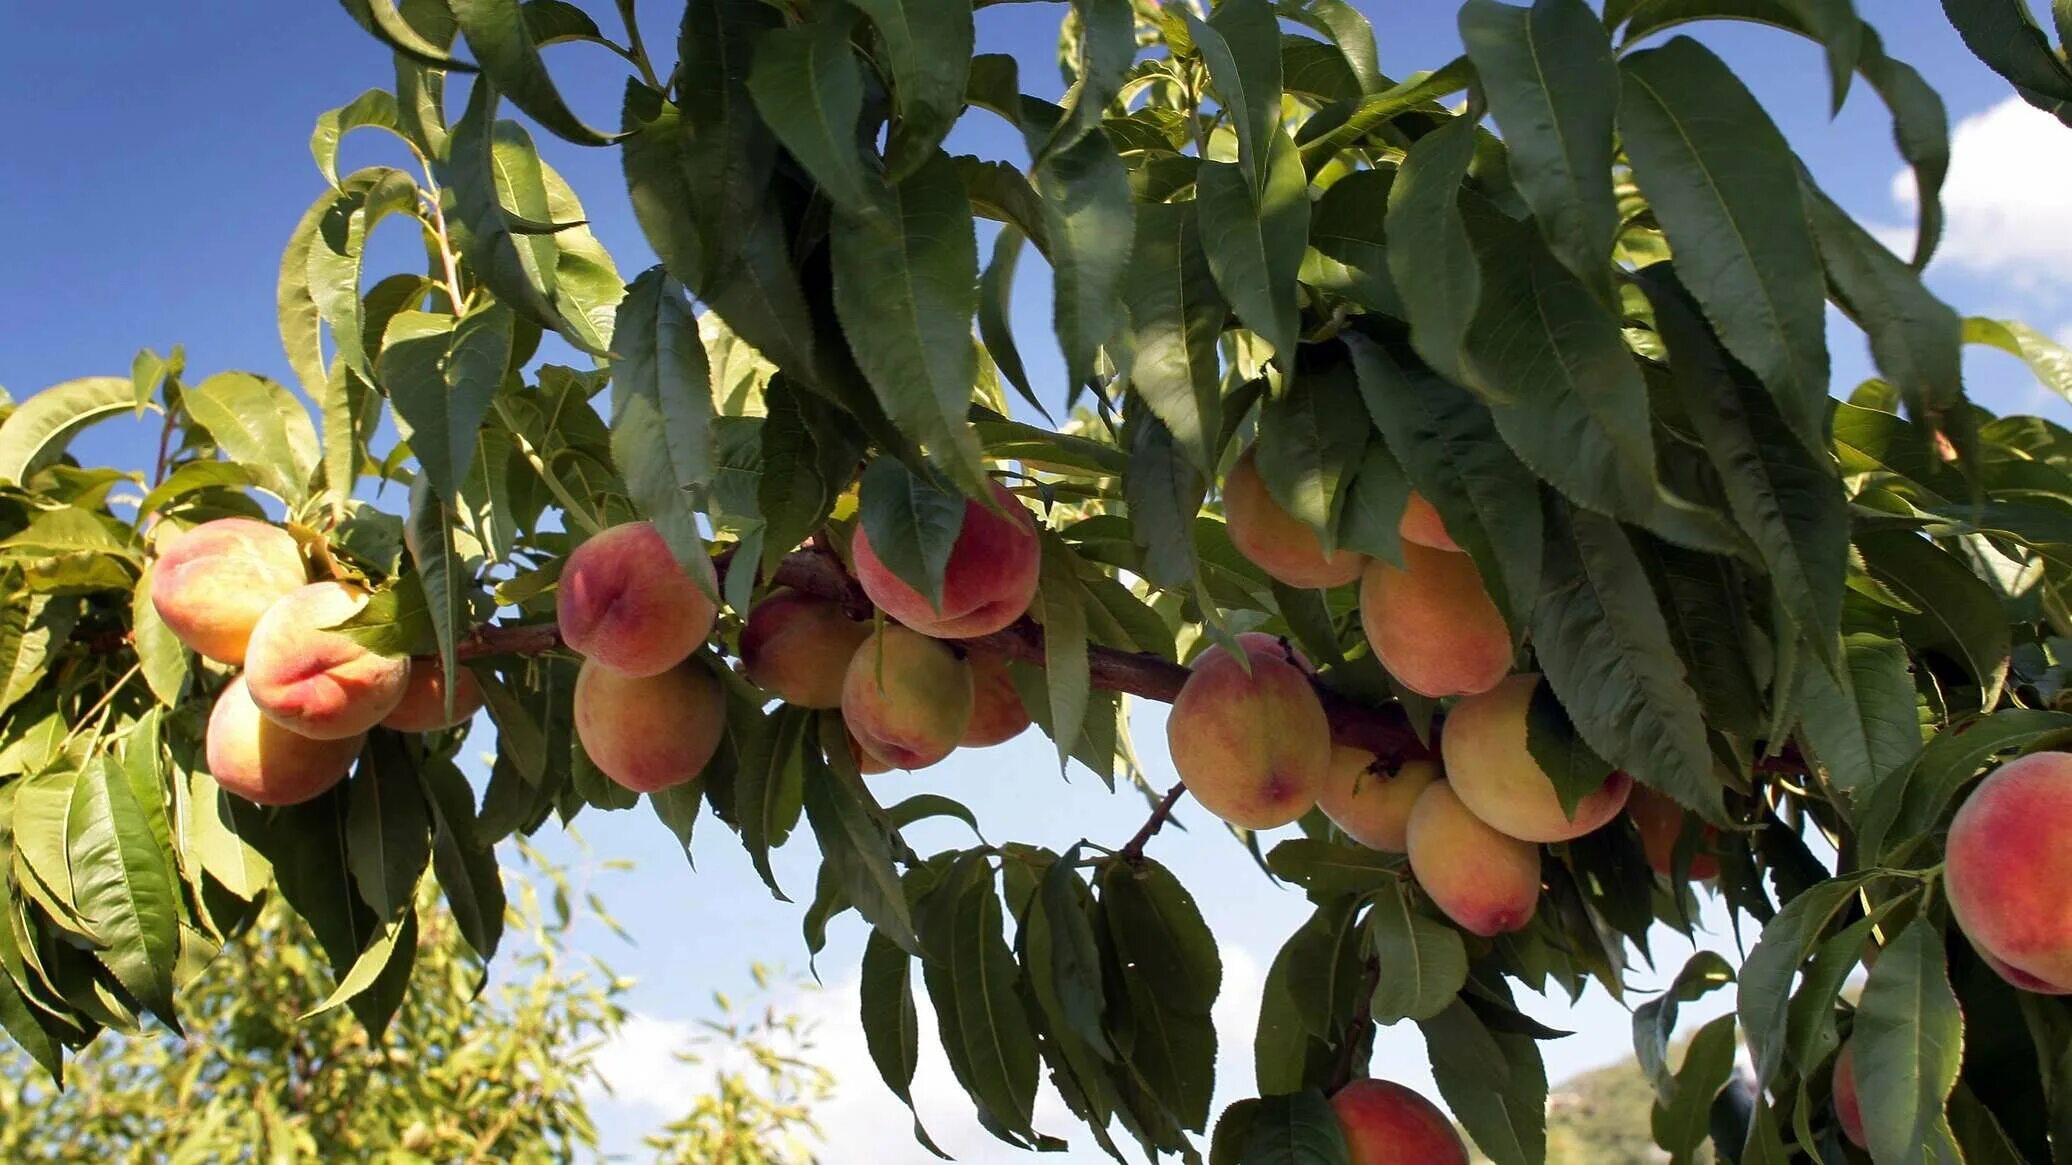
(1456,453)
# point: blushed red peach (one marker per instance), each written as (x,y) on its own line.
(1253,749)
(314,681)
(1485,881)
(2008,865)
(624,602)
(264,763)
(1373,807)
(1432,623)
(423,707)
(1278,646)
(997,712)
(1388,1124)
(649,732)
(1495,776)
(1848,1106)
(1421,524)
(798,647)
(1275,540)
(907,697)
(1661,821)
(212,583)
(988,583)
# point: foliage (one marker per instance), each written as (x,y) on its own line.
(1596,344)
(765,1084)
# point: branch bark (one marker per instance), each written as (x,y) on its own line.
(1383,731)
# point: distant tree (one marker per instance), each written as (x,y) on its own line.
(759,1108)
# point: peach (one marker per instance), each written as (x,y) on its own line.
(2020,979)
(1275,540)
(987,584)
(213,582)
(1433,625)
(1485,881)
(649,732)
(1421,524)
(261,761)
(1372,807)
(997,714)
(1661,821)
(1278,646)
(1254,749)
(798,647)
(315,682)
(2008,863)
(625,602)
(1848,1107)
(866,764)
(423,708)
(1494,775)
(1387,1124)
(907,698)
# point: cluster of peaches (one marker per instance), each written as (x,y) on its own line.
(289,727)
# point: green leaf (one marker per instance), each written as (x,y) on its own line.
(336,254)
(1090,223)
(928,47)
(858,849)
(1061,608)
(722,156)
(35,434)
(1430,250)
(1164,490)
(1255,241)
(1767,972)
(1553,87)
(1912,802)
(1654,1022)
(1176,316)
(498,35)
(374,109)
(1323,136)
(1682,1124)
(1607,654)
(1423,962)
(440,375)
(159,652)
(1158,932)
(440,572)
(2006,37)
(1860,724)
(1107,43)
(2049,360)
(1241,41)
(1330,867)
(1494,1081)
(1064,959)
(891,1029)
(808,86)
(769,787)
(1960,616)
(1348,252)
(367,968)
(387,828)
(912,524)
(1347,30)
(1301,1129)
(1371,523)
(995,312)
(662,437)
(905,291)
(394,620)
(257,423)
(1308,451)
(32,625)
(464,862)
(24,1024)
(1909,1041)
(385,23)
(124,883)
(800,478)
(1575,770)
(971,979)
(1723,182)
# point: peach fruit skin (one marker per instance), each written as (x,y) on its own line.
(1494,775)
(1848,1106)
(907,697)
(997,713)
(988,583)
(263,762)
(1660,821)
(649,732)
(1255,749)
(1277,647)
(1433,624)
(1373,808)
(319,683)
(1388,1124)
(1421,524)
(423,708)
(214,582)
(1274,540)
(625,602)
(2009,863)
(1487,882)
(799,647)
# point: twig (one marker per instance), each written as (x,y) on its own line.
(1361,1031)
(1133,850)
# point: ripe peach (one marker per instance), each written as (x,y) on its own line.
(997,714)
(316,682)
(213,582)
(1660,821)
(1255,749)
(799,646)
(2021,979)
(1848,1107)
(989,582)
(649,732)
(424,699)
(1278,647)
(1373,808)
(1421,524)
(1433,625)
(261,761)
(1494,775)
(907,697)
(2008,864)
(866,764)
(1487,882)
(1274,540)
(1387,1124)
(625,602)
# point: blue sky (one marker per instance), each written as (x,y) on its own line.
(158,159)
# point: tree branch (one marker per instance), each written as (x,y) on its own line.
(1133,849)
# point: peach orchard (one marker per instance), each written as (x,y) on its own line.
(1457,455)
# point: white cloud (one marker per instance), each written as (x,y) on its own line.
(2005,200)
(639,1065)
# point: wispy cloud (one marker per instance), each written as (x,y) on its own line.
(2008,214)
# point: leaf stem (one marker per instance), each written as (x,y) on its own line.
(636,49)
